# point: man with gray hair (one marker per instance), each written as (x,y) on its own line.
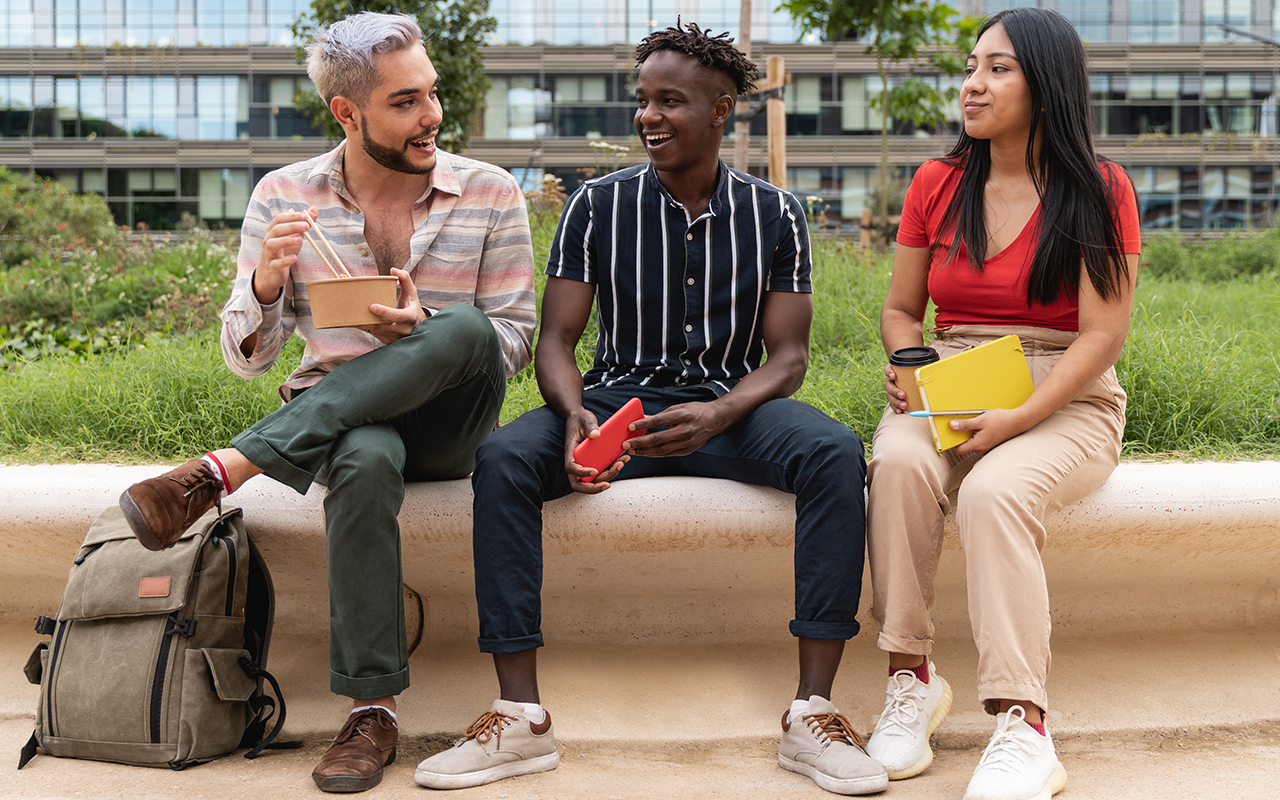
(369,407)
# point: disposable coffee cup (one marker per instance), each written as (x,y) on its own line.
(905,362)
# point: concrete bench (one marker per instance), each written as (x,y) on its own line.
(667,599)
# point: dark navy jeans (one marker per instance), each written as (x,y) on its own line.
(785,444)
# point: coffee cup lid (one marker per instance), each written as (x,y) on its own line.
(913,356)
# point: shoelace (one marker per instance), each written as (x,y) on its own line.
(200,480)
(487,726)
(1008,749)
(362,725)
(905,702)
(834,727)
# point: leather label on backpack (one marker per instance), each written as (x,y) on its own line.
(154,587)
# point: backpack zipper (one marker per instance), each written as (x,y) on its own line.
(92,549)
(157,683)
(231,572)
(53,663)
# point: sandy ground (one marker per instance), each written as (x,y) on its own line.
(1240,763)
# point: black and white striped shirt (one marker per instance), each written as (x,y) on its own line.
(680,302)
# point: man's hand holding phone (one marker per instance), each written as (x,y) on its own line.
(683,428)
(594,455)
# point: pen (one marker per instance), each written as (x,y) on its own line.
(946,413)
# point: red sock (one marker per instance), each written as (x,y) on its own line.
(219,471)
(921,672)
(1039,726)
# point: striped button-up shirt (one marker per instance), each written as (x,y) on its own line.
(679,301)
(470,244)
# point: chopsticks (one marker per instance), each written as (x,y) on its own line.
(329,247)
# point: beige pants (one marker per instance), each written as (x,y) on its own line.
(1000,501)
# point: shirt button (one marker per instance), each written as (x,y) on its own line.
(690,281)
(686,361)
(689,236)
(688,327)
(364,252)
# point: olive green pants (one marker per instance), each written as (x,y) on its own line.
(414,410)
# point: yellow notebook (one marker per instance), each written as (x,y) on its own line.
(991,375)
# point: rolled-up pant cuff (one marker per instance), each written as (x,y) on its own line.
(516,645)
(824,630)
(1025,692)
(897,644)
(264,457)
(372,688)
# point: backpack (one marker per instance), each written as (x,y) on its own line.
(157,658)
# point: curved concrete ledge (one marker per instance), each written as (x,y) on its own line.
(677,591)
(1158,546)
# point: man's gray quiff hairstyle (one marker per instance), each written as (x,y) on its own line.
(340,56)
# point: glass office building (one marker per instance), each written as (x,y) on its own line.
(173,106)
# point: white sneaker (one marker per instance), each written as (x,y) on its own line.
(502,743)
(1018,764)
(912,711)
(825,747)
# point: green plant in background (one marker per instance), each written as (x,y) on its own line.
(1199,364)
(1232,257)
(454,32)
(115,297)
(931,38)
(40,217)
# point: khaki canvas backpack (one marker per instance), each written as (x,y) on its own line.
(158,658)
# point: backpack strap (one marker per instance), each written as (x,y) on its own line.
(254,671)
(28,751)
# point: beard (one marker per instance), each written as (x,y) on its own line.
(391,158)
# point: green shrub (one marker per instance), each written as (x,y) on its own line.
(104,298)
(1199,364)
(1232,257)
(42,217)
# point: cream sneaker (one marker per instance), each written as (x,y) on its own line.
(825,747)
(501,743)
(1018,764)
(912,710)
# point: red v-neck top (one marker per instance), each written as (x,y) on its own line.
(998,294)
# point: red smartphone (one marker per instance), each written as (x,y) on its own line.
(601,453)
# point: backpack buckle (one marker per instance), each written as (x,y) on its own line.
(45,625)
(186,627)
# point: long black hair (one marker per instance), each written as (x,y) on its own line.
(1077,208)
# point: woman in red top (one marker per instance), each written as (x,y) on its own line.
(1021,229)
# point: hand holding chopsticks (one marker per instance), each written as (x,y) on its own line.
(329,247)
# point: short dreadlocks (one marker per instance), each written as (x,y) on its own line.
(716,52)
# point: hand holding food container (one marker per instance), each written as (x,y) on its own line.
(343,301)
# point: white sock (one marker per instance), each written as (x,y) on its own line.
(798,709)
(219,472)
(388,711)
(534,713)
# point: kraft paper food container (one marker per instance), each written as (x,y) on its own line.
(344,302)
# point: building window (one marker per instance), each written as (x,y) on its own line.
(1090,18)
(1236,13)
(518,108)
(856,113)
(1154,21)
(223,196)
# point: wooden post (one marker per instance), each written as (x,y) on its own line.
(777,116)
(742,128)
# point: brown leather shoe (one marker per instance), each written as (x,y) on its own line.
(354,761)
(159,509)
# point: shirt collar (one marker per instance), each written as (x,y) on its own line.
(718,198)
(328,169)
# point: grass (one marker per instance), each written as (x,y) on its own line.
(1199,367)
